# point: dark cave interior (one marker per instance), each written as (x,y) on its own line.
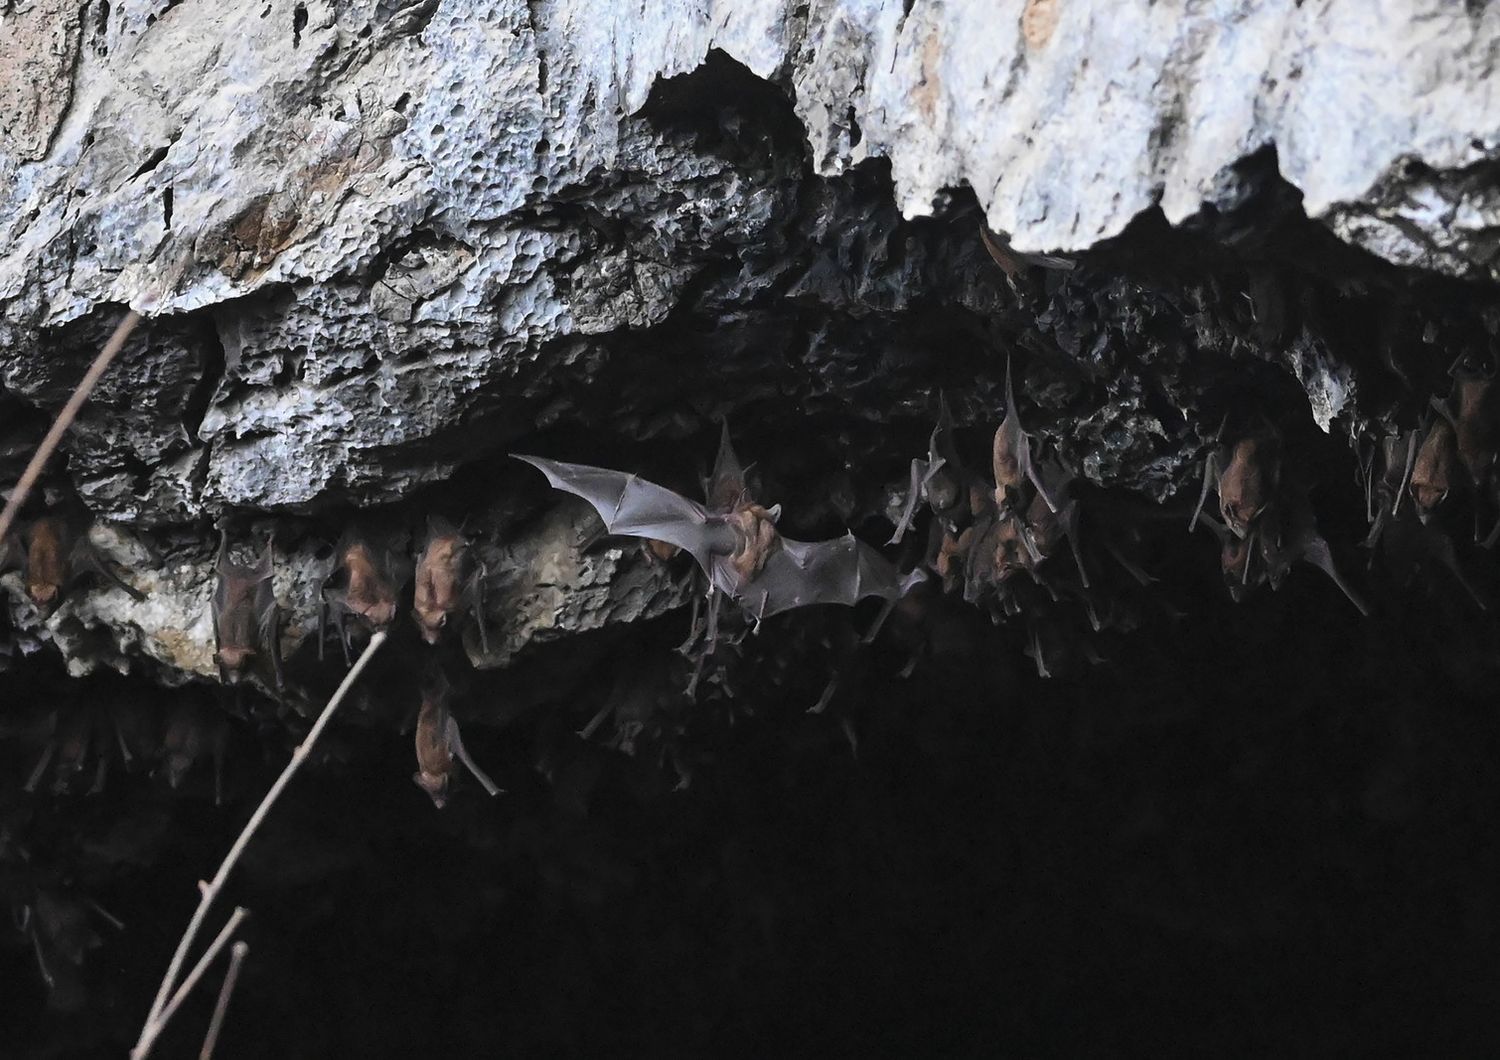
(1256,826)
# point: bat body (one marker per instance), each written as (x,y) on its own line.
(191,732)
(245,616)
(740,550)
(1474,425)
(363,589)
(938,480)
(1011,458)
(1267,553)
(54,554)
(439,743)
(1246,476)
(1432,474)
(445,584)
(1011,261)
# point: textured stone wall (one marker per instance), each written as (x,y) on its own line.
(381,242)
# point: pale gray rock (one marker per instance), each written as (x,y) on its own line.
(381,240)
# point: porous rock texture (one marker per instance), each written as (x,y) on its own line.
(380,241)
(381,245)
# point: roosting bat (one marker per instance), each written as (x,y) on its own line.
(439,743)
(1266,554)
(54,554)
(939,480)
(1246,476)
(245,615)
(191,731)
(1011,457)
(1011,261)
(1432,474)
(363,587)
(446,584)
(740,550)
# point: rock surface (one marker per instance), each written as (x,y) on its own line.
(383,241)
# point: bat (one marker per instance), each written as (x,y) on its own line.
(741,551)
(1011,458)
(1264,557)
(439,743)
(192,730)
(1433,470)
(445,584)
(363,588)
(941,493)
(1473,425)
(54,555)
(1246,476)
(1011,261)
(245,615)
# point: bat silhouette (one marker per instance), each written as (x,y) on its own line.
(245,615)
(740,549)
(1012,458)
(439,743)
(447,582)
(363,589)
(55,555)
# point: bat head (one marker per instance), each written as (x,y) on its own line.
(435,786)
(234,660)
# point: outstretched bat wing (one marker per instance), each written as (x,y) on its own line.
(633,507)
(844,570)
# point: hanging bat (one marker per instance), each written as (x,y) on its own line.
(1398,453)
(1245,475)
(1012,460)
(55,554)
(1011,261)
(1474,423)
(1432,473)
(741,551)
(439,743)
(924,476)
(445,584)
(245,615)
(191,731)
(1265,555)
(363,589)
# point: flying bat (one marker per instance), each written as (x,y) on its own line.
(741,550)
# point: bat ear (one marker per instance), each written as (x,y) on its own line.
(774,511)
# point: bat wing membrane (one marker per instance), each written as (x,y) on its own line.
(843,570)
(633,507)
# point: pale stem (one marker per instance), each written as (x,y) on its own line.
(211,890)
(236,958)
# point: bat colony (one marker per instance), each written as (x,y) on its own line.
(1011,542)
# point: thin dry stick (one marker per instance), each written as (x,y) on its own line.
(236,958)
(156,1026)
(65,420)
(211,889)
